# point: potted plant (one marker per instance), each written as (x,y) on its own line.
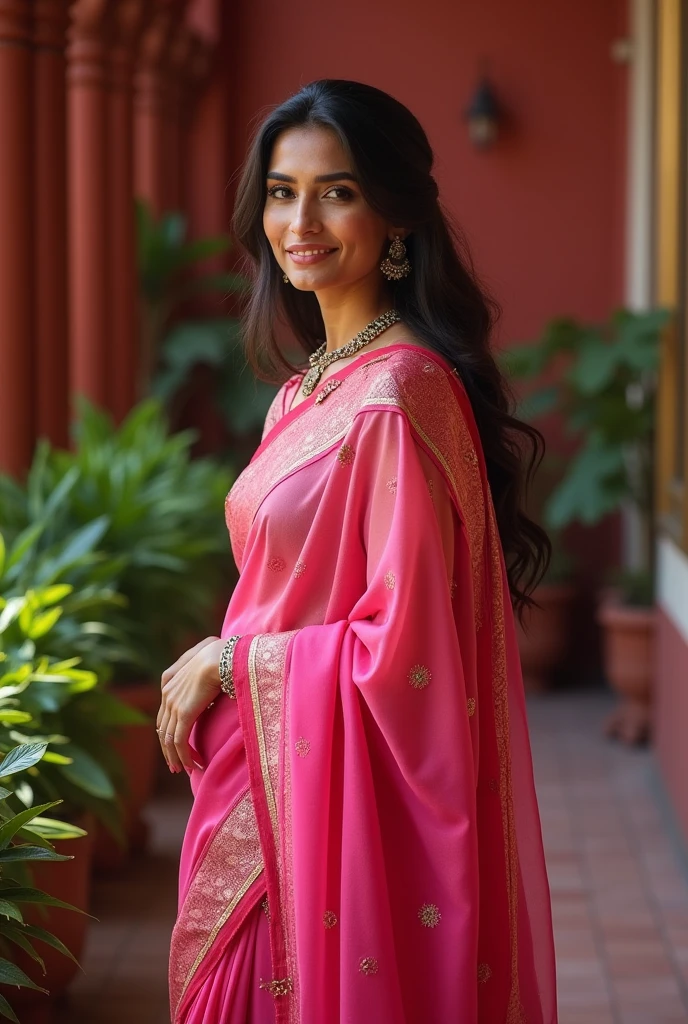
(55,696)
(605,390)
(27,839)
(154,518)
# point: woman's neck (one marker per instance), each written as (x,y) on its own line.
(345,315)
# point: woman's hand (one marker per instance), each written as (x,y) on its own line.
(188,687)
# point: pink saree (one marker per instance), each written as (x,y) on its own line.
(365,843)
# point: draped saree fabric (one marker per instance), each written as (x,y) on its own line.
(371,788)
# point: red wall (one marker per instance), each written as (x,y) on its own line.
(543,211)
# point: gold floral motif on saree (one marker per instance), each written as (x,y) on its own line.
(419,677)
(302,746)
(429,915)
(368,965)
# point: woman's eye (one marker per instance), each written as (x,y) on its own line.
(345,193)
(278,188)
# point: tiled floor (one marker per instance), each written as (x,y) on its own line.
(619,887)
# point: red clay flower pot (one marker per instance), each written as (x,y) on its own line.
(628,648)
(544,637)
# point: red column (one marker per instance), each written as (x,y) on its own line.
(50,191)
(152,99)
(88,169)
(130,18)
(16,236)
(180,54)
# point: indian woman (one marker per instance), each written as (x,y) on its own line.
(364,843)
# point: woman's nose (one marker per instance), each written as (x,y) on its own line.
(304,218)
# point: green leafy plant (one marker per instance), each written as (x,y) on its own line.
(25,838)
(602,379)
(56,701)
(153,518)
(173,345)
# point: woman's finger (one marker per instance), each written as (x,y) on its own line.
(162,730)
(181,742)
(168,739)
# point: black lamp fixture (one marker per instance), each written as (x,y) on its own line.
(483,115)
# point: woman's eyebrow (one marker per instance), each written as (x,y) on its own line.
(335,176)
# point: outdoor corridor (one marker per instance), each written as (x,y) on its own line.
(619,886)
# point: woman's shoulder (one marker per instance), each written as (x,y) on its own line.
(280,403)
(411,373)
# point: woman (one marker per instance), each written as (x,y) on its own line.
(364,843)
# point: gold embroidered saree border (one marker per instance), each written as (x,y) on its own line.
(230,866)
(515,1013)
(266,674)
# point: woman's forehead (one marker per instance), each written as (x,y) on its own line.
(309,151)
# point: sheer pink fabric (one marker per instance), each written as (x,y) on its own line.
(379,787)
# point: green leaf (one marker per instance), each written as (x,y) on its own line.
(86,773)
(43,623)
(10,717)
(16,933)
(51,940)
(2,554)
(595,367)
(25,852)
(24,541)
(8,909)
(9,828)
(52,757)
(51,829)
(81,542)
(592,488)
(22,757)
(539,403)
(26,894)
(10,974)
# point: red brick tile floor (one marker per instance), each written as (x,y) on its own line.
(617,872)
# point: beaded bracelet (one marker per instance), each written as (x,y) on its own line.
(226,674)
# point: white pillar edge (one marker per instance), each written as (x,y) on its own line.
(639,204)
(672,584)
(640,157)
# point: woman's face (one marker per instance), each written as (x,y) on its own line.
(322,231)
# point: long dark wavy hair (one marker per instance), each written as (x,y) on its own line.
(441,301)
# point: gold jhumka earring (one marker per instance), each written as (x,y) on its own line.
(285,278)
(396,265)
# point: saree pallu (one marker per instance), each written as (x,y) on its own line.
(374,784)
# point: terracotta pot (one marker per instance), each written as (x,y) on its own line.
(543,639)
(68,880)
(139,748)
(628,643)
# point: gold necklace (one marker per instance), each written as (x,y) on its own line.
(320,359)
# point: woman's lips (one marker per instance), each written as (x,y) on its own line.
(302,260)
